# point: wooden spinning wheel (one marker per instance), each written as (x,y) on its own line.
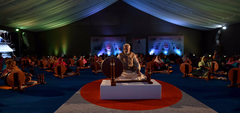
(150,65)
(42,63)
(213,69)
(179,61)
(234,77)
(60,70)
(15,79)
(92,60)
(215,66)
(185,68)
(50,65)
(71,62)
(188,61)
(95,67)
(107,67)
(112,67)
(79,63)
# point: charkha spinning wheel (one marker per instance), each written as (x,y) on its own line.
(112,67)
(79,63)
(50,65)
(15,79)
(234,77)
(185,68)
(71,61)
(150,65)
(188,61)
(95,66)
(215,66)
(179,61)
(42,63)
(60,70)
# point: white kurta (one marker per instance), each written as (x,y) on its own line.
(128,74)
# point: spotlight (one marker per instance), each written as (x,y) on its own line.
(224,55)
(17,29)
(209,55)
(165,52)
(193,55)
(224,27)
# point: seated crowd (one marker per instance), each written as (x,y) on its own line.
(161,62)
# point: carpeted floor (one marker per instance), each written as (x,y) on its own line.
(47,98)
(186,105)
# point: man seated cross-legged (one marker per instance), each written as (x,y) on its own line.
(129,61)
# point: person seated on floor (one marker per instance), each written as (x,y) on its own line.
(22,60)
(60,61)
(4,65)
(185,57)
(85,63)
(95,57)
(75,59)
(100,61)
(29,62)
(14,58)
(44,59)
(159,64)
(165,60)
(51,59)
(137,58)
(11,67)
(141,58)
(203,68)
(129,60)
(55,59)
(232,63)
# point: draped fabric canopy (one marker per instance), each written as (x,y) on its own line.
(41,15)
(196,14)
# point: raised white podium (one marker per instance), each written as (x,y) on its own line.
(130,90)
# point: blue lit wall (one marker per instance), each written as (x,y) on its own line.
(166,45)
(107,45)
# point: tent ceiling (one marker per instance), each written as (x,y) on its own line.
(196,14)
(41,15)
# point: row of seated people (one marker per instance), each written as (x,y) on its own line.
(225,64)
(11,67)
(161,63)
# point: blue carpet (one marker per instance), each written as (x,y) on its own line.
(47,98)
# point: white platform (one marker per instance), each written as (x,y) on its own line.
(130,90)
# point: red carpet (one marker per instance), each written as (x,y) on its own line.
(170,96)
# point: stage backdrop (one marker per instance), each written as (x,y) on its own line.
(139,45)
(166,45)
(107,45)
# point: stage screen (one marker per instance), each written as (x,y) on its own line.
(166,45)
(107,45)
(139,45)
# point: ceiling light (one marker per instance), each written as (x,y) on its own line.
(224,27)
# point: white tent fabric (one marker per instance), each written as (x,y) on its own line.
(196,14)
(4,48)
(41,15)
